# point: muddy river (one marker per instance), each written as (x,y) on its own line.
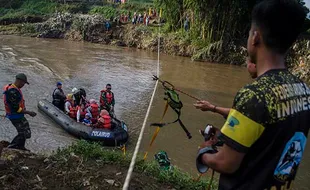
(92,66)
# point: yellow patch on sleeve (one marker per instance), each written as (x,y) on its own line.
(19,110)
(241,129)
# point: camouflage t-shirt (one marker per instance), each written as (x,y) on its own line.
(269,122)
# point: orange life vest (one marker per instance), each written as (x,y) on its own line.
(73,112)
(106,123)
(9,112)
(94,110)
(82,112)
(109,97)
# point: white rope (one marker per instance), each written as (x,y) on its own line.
(133,160)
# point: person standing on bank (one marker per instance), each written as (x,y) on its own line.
(59,97)
(15,111)
(266,130)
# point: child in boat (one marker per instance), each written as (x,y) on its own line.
(81,112)
(87,119)
(104,121)
(93,109)
(69,104)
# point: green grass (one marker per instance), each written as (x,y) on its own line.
(29,8)
(8,28)
(39,8)
(93,151)
(111,10)
(143,1)
(26,28)
(19,9)
(137,6)
(106,11)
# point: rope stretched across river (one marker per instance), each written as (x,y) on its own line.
(133,159)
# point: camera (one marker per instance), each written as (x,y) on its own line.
(209,132)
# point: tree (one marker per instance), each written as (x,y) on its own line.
(211,20)
(173,11)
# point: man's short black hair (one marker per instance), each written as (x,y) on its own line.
(280,22)
(108,85)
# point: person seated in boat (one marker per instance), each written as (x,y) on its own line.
(107,100)
(70,108)
(87,119)
(93,109)
(81,112)
(73,112)
(59,97)
(68,104)
(79,96)
(104,120)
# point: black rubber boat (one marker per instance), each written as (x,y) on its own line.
(115,137)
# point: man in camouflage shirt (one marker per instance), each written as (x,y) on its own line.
(266,130)
(15,110)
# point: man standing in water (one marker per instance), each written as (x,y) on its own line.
(15,111)
(266,130)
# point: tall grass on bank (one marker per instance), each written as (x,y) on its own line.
(106,11)
(93,151)
(114,11)
(28,8)
(19,9)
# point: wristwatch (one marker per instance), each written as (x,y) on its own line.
(202,168)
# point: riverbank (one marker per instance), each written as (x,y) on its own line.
(91,28)
(86,166)
(85,20)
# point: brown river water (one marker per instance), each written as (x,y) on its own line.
(91,66)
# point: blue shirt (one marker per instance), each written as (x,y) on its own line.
(87,121)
